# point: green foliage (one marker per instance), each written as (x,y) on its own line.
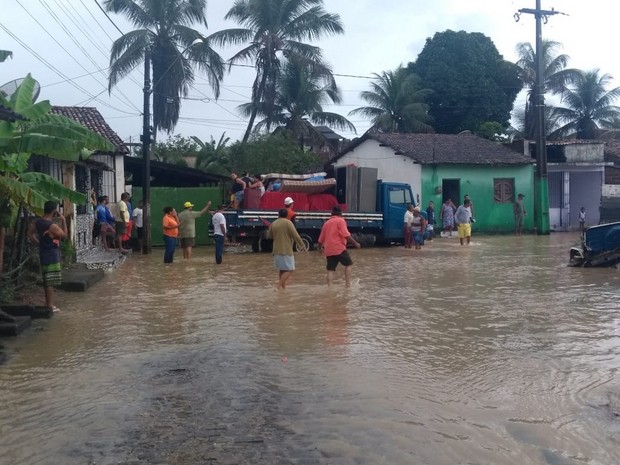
(174,149)
(272,153)
(44,134)
(213,156)
(4,54)
(491,130)
(164,29)
(269,27)
(396,102)
(587,104)
(471,81)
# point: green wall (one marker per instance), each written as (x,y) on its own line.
(175,197)
(477,181)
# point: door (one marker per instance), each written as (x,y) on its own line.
(451,189)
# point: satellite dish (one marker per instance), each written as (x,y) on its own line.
(8,89)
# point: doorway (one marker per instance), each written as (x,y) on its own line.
(451,189)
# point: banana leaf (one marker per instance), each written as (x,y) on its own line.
(4,54)
(20,192)
(51,188)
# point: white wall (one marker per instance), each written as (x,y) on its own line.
(391,167)
(119,167)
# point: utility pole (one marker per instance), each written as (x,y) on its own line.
(146,154)
(541,182)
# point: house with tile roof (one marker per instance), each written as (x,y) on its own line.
(103,171)
(449,166)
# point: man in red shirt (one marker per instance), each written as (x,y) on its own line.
(333,242)
(290,214)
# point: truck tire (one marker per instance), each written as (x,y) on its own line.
(266,245)
(308,242)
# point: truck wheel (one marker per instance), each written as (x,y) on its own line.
(308,242)
(266,245)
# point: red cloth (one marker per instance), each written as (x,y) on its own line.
(322,202)
(275,200)
(125,237)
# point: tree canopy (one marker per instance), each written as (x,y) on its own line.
(471,82)
(271,27)
(164,31)
(396,102)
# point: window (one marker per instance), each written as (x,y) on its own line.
(401,196)
(503,190)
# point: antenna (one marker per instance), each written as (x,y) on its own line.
(8,89)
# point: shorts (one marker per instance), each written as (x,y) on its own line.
(344,259)
(120,227)
(519,220)
(464,230)
(187,242)
(52,275)
(139,232)
(284,262)
(239,196)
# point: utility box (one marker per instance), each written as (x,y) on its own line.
(346,186)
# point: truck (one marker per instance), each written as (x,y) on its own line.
(372,208)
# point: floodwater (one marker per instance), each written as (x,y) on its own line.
(496,353)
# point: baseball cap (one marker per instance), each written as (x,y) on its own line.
(288,201)
(188,204)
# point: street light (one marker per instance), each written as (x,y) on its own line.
(146,142)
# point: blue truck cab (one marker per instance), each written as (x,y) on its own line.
(392,201)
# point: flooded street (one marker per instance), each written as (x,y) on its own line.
(495,353)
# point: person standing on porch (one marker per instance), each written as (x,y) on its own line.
(48,235)
(121,221)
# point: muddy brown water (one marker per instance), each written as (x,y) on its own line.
(496,353)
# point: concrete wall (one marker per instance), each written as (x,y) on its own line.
(478,182)
(391,167)
(585,153)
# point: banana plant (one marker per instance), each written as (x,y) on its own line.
(38,131)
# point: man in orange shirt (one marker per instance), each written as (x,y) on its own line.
(290,215)
(333,242)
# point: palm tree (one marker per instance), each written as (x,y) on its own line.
(301,91)
(556,75)
(588,104)
(272,26)
(396,102)
(175,48)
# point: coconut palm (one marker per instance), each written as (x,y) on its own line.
(301,91)
(587,104)
(518,129)
(165,32)
(270,27)
(397,103)
(556,75)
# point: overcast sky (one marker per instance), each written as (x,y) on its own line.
(74,38)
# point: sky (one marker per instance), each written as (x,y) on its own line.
(65,45)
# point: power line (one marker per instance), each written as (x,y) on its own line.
(110,19)
(56,70)
(95,20)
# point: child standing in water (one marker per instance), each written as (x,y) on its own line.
(582,219)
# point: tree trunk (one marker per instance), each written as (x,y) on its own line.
(256,99)
(1,249)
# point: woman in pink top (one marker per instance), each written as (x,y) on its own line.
(333,242)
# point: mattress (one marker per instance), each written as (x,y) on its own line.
(307,187)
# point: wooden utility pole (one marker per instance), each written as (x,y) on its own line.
(541,182)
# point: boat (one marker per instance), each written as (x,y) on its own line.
(600,246)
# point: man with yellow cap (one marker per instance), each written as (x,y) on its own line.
(187,227)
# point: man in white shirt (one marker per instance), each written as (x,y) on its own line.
(138,219)
(407,225)
(463,221)
(219,232)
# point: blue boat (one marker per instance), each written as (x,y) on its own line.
(600,246)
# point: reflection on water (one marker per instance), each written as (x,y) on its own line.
(495,353)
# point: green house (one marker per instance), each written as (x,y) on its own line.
(442,166)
